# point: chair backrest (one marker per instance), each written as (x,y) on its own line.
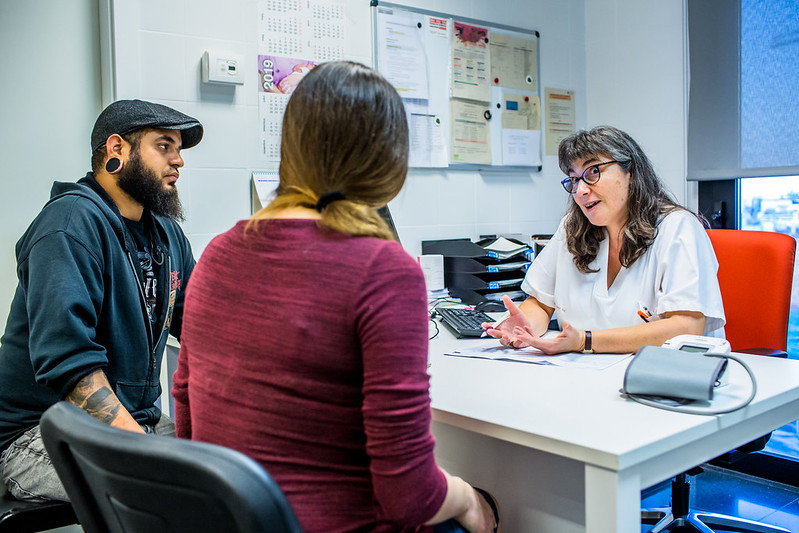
(120,481)
(755,276)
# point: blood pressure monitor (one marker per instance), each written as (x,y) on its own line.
(698,344)
(702,345)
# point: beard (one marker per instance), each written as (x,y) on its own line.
(144,186)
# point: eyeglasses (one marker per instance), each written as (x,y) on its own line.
(590,177)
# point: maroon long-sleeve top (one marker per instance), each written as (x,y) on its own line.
(307,351)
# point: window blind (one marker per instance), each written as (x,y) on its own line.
(743,111)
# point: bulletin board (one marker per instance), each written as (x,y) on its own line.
(471,89)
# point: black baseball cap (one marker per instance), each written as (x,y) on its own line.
(125,116)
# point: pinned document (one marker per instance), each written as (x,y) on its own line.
(521,147)
(514,62)
(560,115)
(471,63)
(471,140)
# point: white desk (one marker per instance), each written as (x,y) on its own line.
(564,452)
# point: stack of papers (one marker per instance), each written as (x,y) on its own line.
(592,361)
(503,248)
(439,294)
(516,296)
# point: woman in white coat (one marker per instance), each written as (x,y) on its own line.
(627,266)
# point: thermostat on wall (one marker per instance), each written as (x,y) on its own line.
(222,68)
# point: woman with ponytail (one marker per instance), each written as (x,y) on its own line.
(305,329)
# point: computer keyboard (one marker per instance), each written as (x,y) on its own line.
(464,322)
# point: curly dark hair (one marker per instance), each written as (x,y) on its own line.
(648,199)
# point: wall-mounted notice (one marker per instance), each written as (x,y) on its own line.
(401,41)
(560,117)
(471,62)
(514,62)
(470,87)
(293,36)
(470,140)
(427,143)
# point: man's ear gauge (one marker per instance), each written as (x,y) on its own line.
(113,165)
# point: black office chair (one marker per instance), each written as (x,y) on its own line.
(127,482)
(27,517)
(755,276)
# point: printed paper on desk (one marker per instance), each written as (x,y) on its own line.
(594,361)
(504,245)
(503,248)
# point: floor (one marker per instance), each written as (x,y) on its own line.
(717,490)
(725,492)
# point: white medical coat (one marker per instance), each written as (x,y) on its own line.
(676,273)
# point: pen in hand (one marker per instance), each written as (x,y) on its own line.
(502,318)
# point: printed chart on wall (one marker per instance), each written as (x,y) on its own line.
(560,117)
(470,88)
(293,37)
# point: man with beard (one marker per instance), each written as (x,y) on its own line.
(102,270)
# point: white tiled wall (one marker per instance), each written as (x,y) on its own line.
(49,98)
(157,53)
(624,58)
(469,204)
(635,52)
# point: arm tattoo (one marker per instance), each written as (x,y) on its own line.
(93,394)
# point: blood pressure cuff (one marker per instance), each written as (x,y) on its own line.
(656,371)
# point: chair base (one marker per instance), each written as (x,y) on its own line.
(680,515)
(22,517)
(703,522)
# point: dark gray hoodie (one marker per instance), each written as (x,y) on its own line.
(78,307)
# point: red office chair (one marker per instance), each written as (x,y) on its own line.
(755,276)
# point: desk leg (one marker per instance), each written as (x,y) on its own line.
(613,501)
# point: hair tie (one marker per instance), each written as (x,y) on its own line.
(328,198)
